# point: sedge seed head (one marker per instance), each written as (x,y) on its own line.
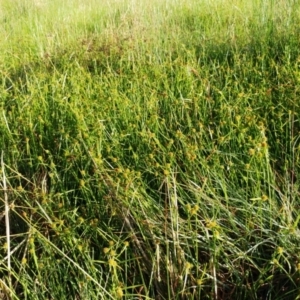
(105,250)
(188,208)
(80,220)
(112,263)
(119,293)
(211,224)
(264,145)
(166,172)
(251,151)
(199,281)
(193,212)
(81,183)
(280,250)
(238,118)
(20,188)
(188,266)
(217,234)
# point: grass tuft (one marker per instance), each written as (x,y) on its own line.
(150,151)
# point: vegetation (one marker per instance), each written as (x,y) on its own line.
(150,149)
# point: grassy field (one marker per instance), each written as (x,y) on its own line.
(150,149)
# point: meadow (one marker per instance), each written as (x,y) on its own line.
(150,149)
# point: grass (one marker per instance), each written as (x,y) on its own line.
(150,151)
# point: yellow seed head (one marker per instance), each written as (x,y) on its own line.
(251,151)
(217,234)
(166,172)
(264,145)
(119,292)
(81,183)
(193,211)
(105,250)
(20,188)
(238,118)
(280,250)
(188,266)
(112,263)
(80,220)
(188,208)
(24,261)
(199,281)
(211,224)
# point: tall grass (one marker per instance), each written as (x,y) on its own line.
(150,149)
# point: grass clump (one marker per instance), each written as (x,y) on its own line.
(150,151)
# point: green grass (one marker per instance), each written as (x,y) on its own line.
(150,149)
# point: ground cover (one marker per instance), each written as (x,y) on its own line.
(149,150)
